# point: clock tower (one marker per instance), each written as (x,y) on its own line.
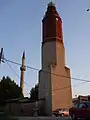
(54,77)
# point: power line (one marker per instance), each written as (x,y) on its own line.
(80,84)
(78,79)
(16,72)
(69,86)
(13,69)
(85,81)
(53,89)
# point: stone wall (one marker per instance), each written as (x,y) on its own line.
(25,109)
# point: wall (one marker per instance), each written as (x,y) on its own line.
(24,109)
(44,91)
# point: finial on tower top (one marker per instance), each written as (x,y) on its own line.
(23,55)
(51,4)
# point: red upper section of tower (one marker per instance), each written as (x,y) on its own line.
(52,24)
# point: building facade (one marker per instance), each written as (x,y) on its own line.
(80,98)
(54,77)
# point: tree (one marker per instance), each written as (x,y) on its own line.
(34,93)
(9,89)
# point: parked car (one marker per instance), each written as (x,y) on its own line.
(80,110)
(56,113)
(61,112)
(64,112)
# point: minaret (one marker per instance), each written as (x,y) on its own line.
(54,88)
(23,69)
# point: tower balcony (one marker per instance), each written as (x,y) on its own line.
(23,68)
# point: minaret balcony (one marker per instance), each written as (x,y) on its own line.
(23,68)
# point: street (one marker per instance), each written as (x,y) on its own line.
(43,118)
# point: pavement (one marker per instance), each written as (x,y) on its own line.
(42,118)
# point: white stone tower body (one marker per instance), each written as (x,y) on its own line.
(23,69)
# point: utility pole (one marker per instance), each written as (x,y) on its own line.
(1,56)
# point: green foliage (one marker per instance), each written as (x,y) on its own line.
(34,93)
(9,90)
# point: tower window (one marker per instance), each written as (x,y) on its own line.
(57,19)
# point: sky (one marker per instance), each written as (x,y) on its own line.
(20,29)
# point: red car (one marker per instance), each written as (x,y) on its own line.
(81,111)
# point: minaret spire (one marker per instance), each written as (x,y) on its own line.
(51,3)
(23,69)
(23,55)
